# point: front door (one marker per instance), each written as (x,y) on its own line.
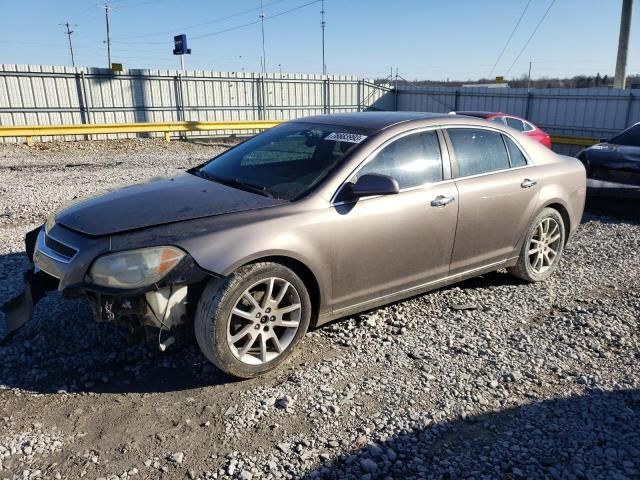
(391,243)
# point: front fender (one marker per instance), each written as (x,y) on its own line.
(220,245)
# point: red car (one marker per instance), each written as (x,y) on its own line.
(513,121)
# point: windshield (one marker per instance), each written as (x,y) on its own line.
(286,161)
(629,137)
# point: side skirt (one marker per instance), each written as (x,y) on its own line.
(413,291)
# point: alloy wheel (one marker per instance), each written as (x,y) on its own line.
(544,245)
(264,321)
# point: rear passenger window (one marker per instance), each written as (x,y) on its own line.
(412,160)
(515,123)
(478,151)
(515,154)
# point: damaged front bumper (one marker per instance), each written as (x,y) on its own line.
(60,261)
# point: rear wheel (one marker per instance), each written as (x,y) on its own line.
(249,323)
(542,247)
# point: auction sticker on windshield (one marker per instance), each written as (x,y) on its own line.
(345,137)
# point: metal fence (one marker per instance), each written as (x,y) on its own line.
(582,112)
(47,95)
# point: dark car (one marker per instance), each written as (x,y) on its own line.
(613,166)
(513,121)
(313,220)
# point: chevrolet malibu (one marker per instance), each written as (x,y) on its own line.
(312,220)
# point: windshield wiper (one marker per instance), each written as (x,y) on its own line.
(234,182)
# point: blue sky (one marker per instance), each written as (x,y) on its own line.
(426,39)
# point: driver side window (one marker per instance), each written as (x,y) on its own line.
(412,160)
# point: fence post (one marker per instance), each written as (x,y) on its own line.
(456,100)
(627,120)
(395,97)
(325,96)
(84,99)
(263,97)
(528,105)
(359,94)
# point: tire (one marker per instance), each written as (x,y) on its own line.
(532,266)
(225,313)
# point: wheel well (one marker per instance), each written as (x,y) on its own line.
(305,274)
(565,218)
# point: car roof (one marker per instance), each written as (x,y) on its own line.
(479,113)
(374,120)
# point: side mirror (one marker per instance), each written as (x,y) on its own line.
(603,140)
(374,184)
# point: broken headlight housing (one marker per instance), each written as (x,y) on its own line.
(134,268)
(51,221)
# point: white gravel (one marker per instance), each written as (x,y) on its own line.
(492,378)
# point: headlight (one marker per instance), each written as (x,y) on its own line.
(51,221)
(134,268)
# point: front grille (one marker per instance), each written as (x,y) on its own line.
(60,248)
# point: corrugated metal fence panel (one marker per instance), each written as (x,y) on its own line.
(40,95)
(584,112)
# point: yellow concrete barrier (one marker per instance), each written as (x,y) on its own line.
(578,141)
(30,131)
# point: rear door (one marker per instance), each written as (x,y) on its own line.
(497,192)
(390,243)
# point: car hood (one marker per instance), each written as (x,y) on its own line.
(157,202)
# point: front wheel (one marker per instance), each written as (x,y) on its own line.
(542,248)
(249,323)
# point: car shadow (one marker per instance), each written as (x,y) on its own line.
(621,210)
(62,348)
(592,435)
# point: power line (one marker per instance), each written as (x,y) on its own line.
(146,2)
(196,25)
(230,29)
(510,37)
(83,14)
(531,36)
(253,23)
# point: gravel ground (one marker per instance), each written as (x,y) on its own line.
(492,378)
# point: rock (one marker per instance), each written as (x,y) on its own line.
(284,447)
(285,402)
(176,457)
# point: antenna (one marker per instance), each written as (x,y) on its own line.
(106,17)
(264,55)
(322,25)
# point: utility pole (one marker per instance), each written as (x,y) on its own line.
(69,32)
(322,24)
(529,78)
(106,17)
(623,45)
(264,55)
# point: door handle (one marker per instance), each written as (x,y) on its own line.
(441,201)
(528,183)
